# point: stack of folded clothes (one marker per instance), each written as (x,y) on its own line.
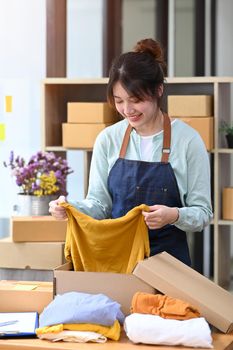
(81,317)
(161,320)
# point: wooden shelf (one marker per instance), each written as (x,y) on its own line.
(225,222)
(225,150)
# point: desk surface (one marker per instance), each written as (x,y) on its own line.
(221,342)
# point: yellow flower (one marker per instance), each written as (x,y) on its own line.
(47,184)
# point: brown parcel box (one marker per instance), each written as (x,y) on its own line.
(38,229)
(205,127)
(227,203)
(91,112)
(25,296)
(80,135)
(117,286)
(31,255)
(190,105)
(170,276)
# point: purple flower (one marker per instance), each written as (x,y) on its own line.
(28,175)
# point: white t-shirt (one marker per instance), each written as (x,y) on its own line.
(146,147)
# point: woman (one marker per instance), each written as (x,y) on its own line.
(147,158)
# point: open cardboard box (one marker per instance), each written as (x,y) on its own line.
(174,278)
(162,272)
(117,286)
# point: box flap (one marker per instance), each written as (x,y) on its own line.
(68,266)
(172,277)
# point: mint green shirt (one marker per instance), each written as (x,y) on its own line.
(188,158)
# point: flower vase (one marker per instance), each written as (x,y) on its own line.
(29,205)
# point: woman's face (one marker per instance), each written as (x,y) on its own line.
(140,114)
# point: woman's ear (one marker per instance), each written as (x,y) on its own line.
(160,90)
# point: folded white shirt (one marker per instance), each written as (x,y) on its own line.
(74,336)
(152,329)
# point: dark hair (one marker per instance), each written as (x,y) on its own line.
(140,72)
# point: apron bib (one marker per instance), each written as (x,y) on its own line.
(134,182)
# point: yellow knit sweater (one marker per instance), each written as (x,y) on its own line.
(109,245)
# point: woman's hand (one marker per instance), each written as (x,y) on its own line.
(160,215)
(56,210)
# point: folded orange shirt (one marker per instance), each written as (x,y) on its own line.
(163,306)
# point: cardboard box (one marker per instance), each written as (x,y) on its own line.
(80,135)
(91,112)
(31,255)
(172,277)
(162,273)
(190,105)
(25,296)
(205,127)
(227,203)
(119,287)
(38,229)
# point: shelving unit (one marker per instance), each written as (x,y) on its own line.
(57,92)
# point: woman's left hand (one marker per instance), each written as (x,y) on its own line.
(160,215)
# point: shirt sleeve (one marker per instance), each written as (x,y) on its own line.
(98,202)
(197,210)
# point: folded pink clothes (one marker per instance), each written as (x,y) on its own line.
(152,329)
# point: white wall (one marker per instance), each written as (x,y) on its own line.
(84,38)
(138,22)
(224,34)
(84,60)
(184,38)
(22,66)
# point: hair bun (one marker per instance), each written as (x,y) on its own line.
(152,47)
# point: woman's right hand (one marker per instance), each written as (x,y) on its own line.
(56,210)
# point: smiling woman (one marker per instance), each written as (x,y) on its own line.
(147,158)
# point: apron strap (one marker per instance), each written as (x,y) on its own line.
(166,139)
(125,142)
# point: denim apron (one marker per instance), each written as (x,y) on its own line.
(135,182)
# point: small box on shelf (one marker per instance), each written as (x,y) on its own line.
(227,203)
(91,112)
(190,105)
(80,135)
(205,127)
